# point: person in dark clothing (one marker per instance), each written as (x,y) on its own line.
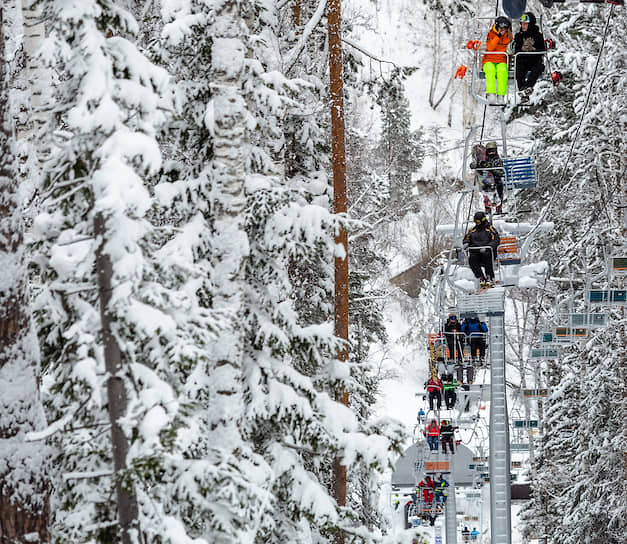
(475,332)
(482,242)
(441,494)
(447,432)
(453,333)
(490,171)
(495,164)
(528,66)
(450,390)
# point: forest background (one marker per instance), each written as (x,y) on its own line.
(167,369)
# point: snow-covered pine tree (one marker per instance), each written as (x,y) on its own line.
(118,305)
(593,505)
(24,481)
(400,147)
(289,374)
(581,131)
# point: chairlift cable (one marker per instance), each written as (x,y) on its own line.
(585,107)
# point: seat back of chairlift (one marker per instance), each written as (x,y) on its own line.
(508,251)
(619,266)
(589,320)
(571,332)
(544,353)
(520,172)
(607,296)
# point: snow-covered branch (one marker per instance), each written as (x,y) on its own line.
(309,27)
(370,54)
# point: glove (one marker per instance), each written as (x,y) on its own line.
(510,48)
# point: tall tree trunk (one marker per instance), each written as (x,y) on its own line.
(24,502)
(116,392)
(338,158)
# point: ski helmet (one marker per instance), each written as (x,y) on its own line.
(524,18)
(490,145)
(502,22)
(479,217)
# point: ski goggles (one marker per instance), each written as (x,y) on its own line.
(524,18)
(502,24)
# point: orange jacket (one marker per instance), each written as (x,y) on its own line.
(494,42)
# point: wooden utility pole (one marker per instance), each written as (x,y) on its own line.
(338,157)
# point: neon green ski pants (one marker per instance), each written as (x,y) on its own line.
(493,73)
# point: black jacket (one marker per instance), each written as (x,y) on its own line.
(446,430)
(531,40)
(452,326)
(483,235)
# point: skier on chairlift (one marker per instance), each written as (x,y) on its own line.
(421,415)
(434,388)
(432,432)
(495,163)
(475,331)
(428,487)
(453,333)
(495,61)
(481,242)
(529,67)
(450,388)
(492,177)
(441,494)
(447,436)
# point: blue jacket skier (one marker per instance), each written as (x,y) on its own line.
(475,331)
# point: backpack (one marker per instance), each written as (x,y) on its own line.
(479,155)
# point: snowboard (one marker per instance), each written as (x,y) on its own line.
(514,8)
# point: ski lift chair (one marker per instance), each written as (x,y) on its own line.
(520,173)
(572,333)
(589,320)
(508,252)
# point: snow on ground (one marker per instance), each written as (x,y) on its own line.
(408,368)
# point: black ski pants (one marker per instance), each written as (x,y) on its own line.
(479,259)
(528,70)
(450,398)
(477,344)
(435,395)
(498,183)
(447,441)
(455,348)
